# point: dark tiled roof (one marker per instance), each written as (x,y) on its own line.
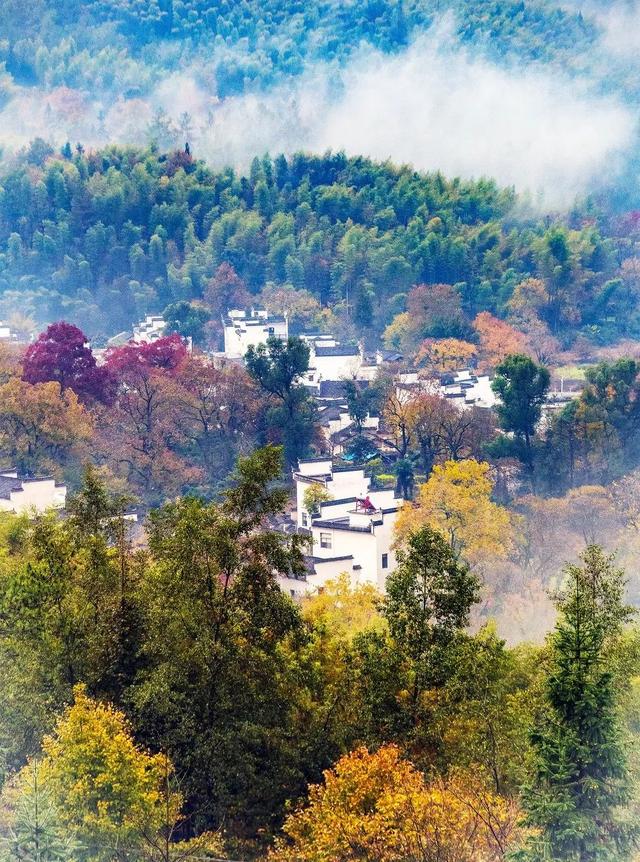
(341,525)
(338,502)
(338,350)
(330,559)
(331,389)
(335,388)
(330,414)
(255,320)
(8,484)
(311,480)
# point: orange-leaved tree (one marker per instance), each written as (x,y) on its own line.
(498,339)
(41,429)
(379,807)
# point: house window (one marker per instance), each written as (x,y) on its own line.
(305,520)
(385,561)
(325,540)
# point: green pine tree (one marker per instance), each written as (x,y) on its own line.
(427,605)
(36,833)
(579,788)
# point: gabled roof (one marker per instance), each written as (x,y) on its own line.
(7,485)
(338,350)
(316,560)
(331,389)
(342,524)
(335,388)
(331,413)
(326,503)
(119,339)
(265,322)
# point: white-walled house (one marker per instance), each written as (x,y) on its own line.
(150,329)
(464,388)
(352,532)
(244,329)
(9,336)
(330,360)
(338,483)
(467,389)
(21,494)
(335,362)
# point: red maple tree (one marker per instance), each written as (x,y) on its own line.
(61,353)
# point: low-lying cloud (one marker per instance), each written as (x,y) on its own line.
(440,110)
(619,22)
(433,106)
(466,117)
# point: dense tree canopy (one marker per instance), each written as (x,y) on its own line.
(101,238)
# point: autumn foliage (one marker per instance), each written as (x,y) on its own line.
(376,805)
(497,340)
(456,501)
(135,359)
(152,414)
(440,355)
(61,354)
(41,427)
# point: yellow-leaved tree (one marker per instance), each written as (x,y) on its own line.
(399,333)
(456,501)
(440,355)
(112,798)
(379,807)
(41,427)
(313,497)
(345,609)
(105,787)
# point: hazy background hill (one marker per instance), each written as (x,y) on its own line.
(540,95)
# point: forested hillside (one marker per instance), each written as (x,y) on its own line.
(256,44)
(100,238)
(240,79)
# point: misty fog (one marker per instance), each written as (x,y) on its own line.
(435,106)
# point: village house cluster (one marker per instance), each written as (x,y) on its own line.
(350,525)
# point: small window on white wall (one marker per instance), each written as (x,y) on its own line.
(325,540)
(385,561)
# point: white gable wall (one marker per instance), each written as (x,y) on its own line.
(37,495)
(242,334)
(335,367)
